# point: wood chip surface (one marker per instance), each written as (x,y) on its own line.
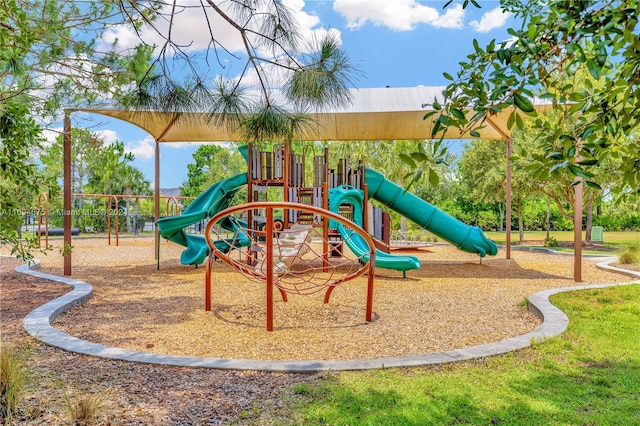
(453,301)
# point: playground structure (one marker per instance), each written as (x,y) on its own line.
(111,210)
(334,202)
(343,190)
(287,259)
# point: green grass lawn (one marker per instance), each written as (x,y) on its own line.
(588,376)
(610,238)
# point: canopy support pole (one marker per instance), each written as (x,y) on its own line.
(577,231)
(508,195)
(66,189)
(156,193)
(157,185)
(508,200)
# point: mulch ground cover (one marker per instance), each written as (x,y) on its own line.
(453,301)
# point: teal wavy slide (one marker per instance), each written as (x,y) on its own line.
(465,237)
(348,195)
(215,199)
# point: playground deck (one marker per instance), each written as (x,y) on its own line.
(452,302)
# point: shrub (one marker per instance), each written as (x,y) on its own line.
(488,220)
(551,242)
(630,256)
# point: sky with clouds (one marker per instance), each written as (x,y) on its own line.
(399,43)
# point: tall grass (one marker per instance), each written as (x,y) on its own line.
(85,409)
(13,378)
(631,255)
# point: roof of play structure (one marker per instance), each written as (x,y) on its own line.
(375,114)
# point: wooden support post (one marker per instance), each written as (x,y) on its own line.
(66,160)
(286,176)
(508,201)
(207,282)
(117,222)
(577,233)
(326,165)
(250,173)
(156,210)
(325,225)
(269,267)
(370,279)
(365,208)
(108,212)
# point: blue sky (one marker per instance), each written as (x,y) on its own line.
(396,43)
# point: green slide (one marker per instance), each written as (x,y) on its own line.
(466,238)
(346,194)
(215,199)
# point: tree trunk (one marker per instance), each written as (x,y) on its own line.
(136,208)
(502,209)
(520,220)
(589,223)
(127,207)
(547,220)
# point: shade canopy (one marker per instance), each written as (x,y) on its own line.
(374,114)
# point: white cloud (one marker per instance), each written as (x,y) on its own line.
(309,26)
(109,136)
(275,75)
(50,135)
(398,15)
(183,145)
(490,20)
(453,18)
(190,30)
(190,27)
(123,35)
(142,149)
(306,22)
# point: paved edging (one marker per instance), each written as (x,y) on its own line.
(38,324)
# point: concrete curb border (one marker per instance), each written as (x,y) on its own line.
(38,324)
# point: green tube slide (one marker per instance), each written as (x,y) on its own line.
(215,199)
(466,238)
(346,194)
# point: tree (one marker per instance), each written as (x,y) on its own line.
(212,163)
(288,75)
(132,182)
(112,158)
(85,151)
(20,180)
(529,158)
(483,172)
(94,162)
(67,54)
(96,167)
(556,40)
(50,59)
